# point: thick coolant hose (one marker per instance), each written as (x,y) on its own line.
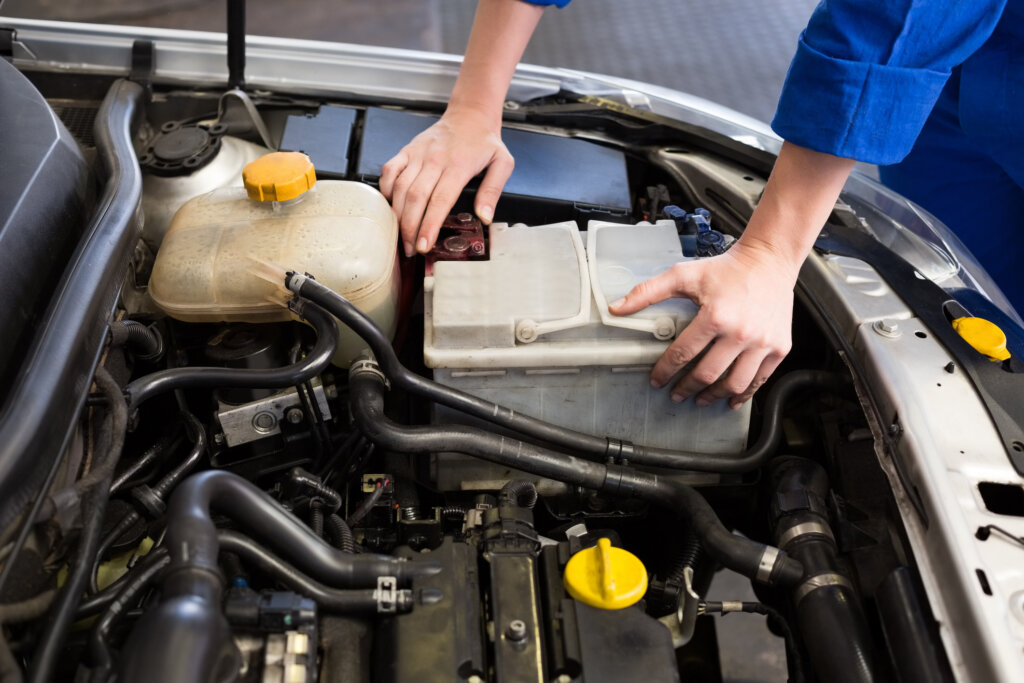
(828,608)
(318,359)
(329,600)
(190,616)
(599,447)
(757,561)
(192,537)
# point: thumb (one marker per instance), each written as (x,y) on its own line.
(493,183)
(679,280)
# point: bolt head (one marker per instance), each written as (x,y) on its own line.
(264,422)
(294,415)
(516,630)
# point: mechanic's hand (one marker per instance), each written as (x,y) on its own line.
(424,180)
(746,308)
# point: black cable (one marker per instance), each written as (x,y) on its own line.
(599,448)
(340,534)
(367,504)
(147,342)
(318,359)
(794,663)
(94,505)
(759,562)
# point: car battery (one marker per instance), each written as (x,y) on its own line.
(529,329)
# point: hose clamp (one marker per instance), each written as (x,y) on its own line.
(790,534)
(386,595)
(369,367)
(820,581)
(769,557)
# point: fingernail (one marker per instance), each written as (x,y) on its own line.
(737,406)
(656,384)
(703,402)
(616,303)
(408,250)
(486,214)
(421,245)
(678,398)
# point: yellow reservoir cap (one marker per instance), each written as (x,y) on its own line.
(984,336)
(279,176)
(605,577)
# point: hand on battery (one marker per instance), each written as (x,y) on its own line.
(424,180)
(746,308)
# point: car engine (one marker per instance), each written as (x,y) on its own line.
(301,457)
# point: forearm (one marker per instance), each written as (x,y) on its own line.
(501,31)
(797,200)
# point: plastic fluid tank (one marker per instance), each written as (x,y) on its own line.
(530,329)
(344,233)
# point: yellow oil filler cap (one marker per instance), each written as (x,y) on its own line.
(984,336)
(605,577)
(279,176)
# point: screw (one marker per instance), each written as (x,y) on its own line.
(516,630)
(219,438)
(294,415)
(887,328)
(465,218)
(264,422)
(331,391)
(477,247)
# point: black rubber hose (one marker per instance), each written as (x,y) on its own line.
(599,447)
(192,537)
(149,456)
(318,359)
(828,608)
(137,581)
(760,562)
(331,600)
(153,497)
(366,505)
(915,647)
(316,517)
(519,492)
(94,604)
(146,341)
(340,534)
(94,505)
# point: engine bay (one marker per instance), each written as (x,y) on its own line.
(307,458)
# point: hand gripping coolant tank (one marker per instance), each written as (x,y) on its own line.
(343,233)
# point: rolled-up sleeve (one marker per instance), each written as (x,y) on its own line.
(867,73)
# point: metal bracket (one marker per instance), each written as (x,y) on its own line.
(386,595)
(682,623)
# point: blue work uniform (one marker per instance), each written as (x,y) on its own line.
(932,92)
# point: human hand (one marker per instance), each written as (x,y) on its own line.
(424,180)
(746,309)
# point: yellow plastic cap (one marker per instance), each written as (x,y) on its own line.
(606,577)
(279,176)
(984,336)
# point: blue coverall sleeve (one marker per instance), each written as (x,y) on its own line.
(867,73)
(556,3)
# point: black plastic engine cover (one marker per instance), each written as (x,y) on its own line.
(43,205)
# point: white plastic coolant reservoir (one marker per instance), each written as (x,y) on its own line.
(530,329)
(344,233)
